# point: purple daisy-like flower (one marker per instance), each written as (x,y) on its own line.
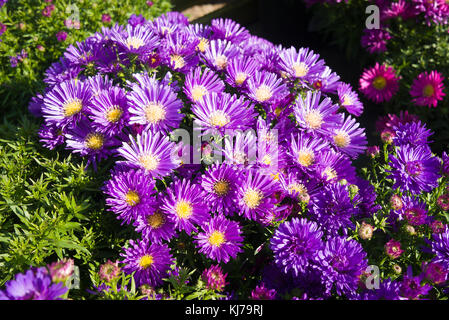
(349,99)
(227,29)
(150,262)
(153,152)
(185,206)
(435,272)
(326,81)
(331,167)
(34,284)
(60,71)
(139,39)
(239,70)
(263,293)
(82,53)
(64,104)
(342,262)
(220,240)
(349,138)
(411,287)
(51,136)
(129,194)
(218,54)
(155,105)
(414,211)
(379,83)
(305,149)
(295,243)
(440,247)
(302,64)
(109,111)
(179,52)
(388,290)
(200,83)
(412,133)
(240,148)
(87,141)
(266,88)
(414,169)
(221,112)
(154,224)
(255,195)
(375,40)
(220,182)
(316,116)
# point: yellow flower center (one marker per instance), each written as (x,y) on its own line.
(134,42)
(183,209)
(221,187)
(221,62)
(132,198)
(379,83)
(342,139)
(94,141)
(347,101)
(154,112)
(198,92)
(72,107)
(156,220)
(252,198)
(149,161)
(296,187)
(114,113)
(306,158)
(300,69)
(267,159)
(263,93)
(313,119)
(217,238)
(330,173)
(428,91)
(240,78)
(146,261)
(178,61)
(203,45)
(219,118)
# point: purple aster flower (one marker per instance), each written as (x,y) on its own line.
(239,70)
(414,169)
(297,187)
(200,83)
(135,20)
(218,54)
(414,211)
(240,148)
(87,141)
(304,151)
(411,287)
(138,39)
(202,33)
(220,183)
(266,88)
(215,278)
(155,105)
(302,64)
(348,138)
(333,209)
(13,61)
(61,36)
(179,51)
(227,29)
(375,40)
(412,133)
(154,224)
(82,53)
(60,71)
(46,12)
(295,243)
(435,272)
(388,290)
(221,112)
(185,206)
(51,136)
(34,284)
(440,247)
(153,152)
(220,240)
(331,167)
(263,293)
(342,263)
(316,116)
(326,81)
(150,262)
(64,104)
(130,194)
(255,195)
(109,111)
(349,99)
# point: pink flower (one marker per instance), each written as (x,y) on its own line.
(105,18)
(48,10)
(379,83)
(393,249)
(61,36)
(427,89)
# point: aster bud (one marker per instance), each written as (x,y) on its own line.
(396,202)
(372,151)
(109,271)
(366,231)
(410,230)
(353,190)
(437,226)
(443,202)
(343,182)
(397,269)
(62,270)
(387,136)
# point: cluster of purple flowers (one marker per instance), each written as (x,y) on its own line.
(230,85)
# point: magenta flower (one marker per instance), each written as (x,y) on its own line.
(61,36)
(427,89)
(393,249)
(379,83)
